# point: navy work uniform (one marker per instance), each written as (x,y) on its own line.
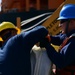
(15,53)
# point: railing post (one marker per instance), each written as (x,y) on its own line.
(19,22)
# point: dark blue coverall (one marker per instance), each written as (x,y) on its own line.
(15,53)
(66,57)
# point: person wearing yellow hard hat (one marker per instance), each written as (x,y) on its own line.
(15,50)
(7,27)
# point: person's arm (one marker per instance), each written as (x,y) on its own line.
(65,57)
(57,39)
(35,35)
(26,40)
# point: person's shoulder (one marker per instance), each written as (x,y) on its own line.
(39,27)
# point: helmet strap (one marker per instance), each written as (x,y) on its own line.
(67,25)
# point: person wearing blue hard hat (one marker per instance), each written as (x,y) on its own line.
(67,12)
(65,58)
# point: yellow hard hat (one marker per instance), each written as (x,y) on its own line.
(7,25)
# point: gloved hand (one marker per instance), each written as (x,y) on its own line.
(45,41)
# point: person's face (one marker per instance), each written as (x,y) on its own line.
(71,25)
(8,34)
(63,24)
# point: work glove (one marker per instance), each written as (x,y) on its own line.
(45,41)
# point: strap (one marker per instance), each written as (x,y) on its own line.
(67,25)
(65,41)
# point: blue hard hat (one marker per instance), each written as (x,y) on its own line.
(67,12)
